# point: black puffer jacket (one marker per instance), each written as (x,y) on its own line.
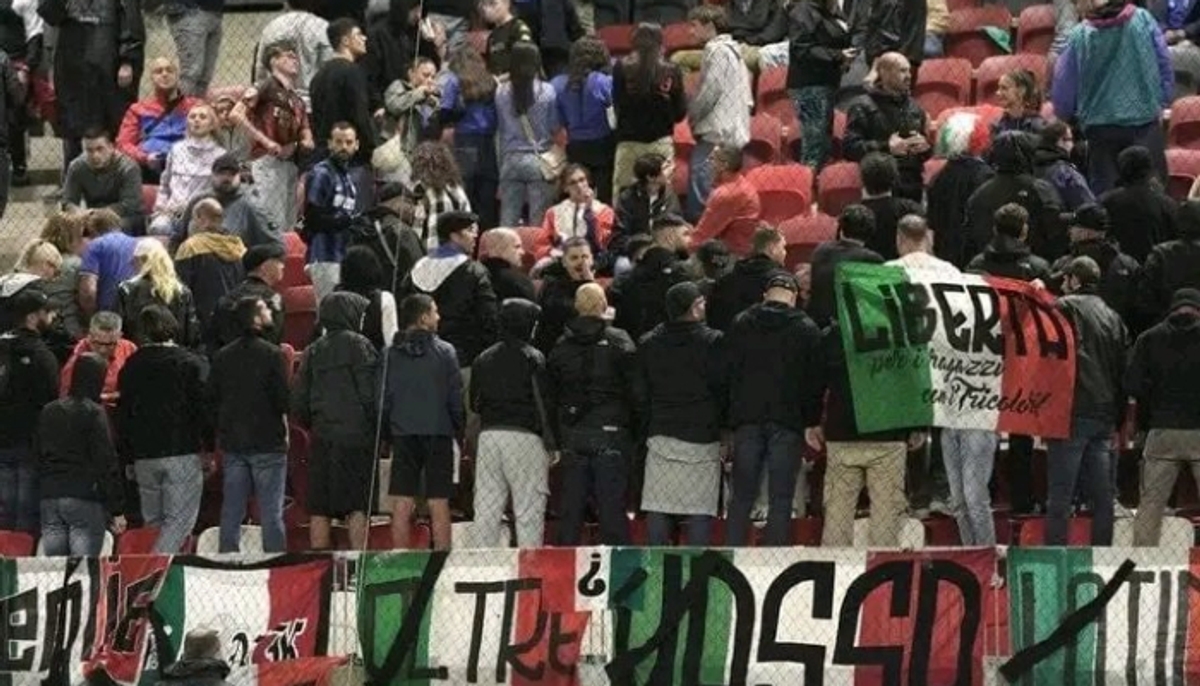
(873,119)
(335,390)
(761,22)
(502,379)
(635,212)
(775,368)
(1100,344)
(947,206)
(739,289)
(592,374)
(894,26)
(1012,157)
(1141,216)
(681,368)
(639,297)
(137,294)
(1118,275)
(395,243)
(508,281)
(1164,374)
(1169,267)
(465,299)
(1008,257)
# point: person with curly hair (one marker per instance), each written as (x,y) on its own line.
(469,105)
(585,98)
(1020,95)
(438,187)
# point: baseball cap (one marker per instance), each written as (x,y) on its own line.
(782,280)
(1185,297)
(27,301)
(680,299)
(255,257)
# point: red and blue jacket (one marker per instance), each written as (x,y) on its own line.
(145,131)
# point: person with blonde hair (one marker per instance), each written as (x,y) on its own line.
(187,171)
(39,262)
(66,231)
(157,284)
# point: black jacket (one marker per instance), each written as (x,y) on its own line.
(683,381)
(337,385)
(503,376)
(391,44)
(74,447)
(137,294)
(395,243)
(894,26)
(872,120)
(647,116)
(248,395)
(888,211)
(1009,258)
(201,672)
(592,373)
(947,206)
(209,275)
(1164,374)
(508,281)
(223,327)
(160,412)
(775,368)
(557,300)
(635,212)
(33,382)
(1169,267)
(840,423)
(1012,156)
(761,22)
(1118,275)
(339,93)
(822,304)
(739,289)
(465,299)
(1141,216)
(816,39)
(1100,344)
(639,297)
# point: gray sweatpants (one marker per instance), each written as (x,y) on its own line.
(510,462)
(275,190)
(170,489)
(197,36)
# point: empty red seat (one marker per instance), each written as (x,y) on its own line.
(1035,29)
(966,38)
(1183,166)
(955,5)
(679,37)
(16,544)
(766,135)
(300,315)
(617,37)
(293,244)
(772,85)
(987,77)
(803,234)
(943,83)
(784,191)
(838,185)
(1184,130)
(941,532)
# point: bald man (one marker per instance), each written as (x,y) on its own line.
(887,119)
(591,376)
(501,252)
(152,125)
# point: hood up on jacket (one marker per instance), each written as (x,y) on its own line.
(1013,153)
(343,311)
(11,284)
(431,271)
(518,317)
(87,380)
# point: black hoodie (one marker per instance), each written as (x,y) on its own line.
(33,383)
(1012,157)
(557,300)
(682,372)
(947,203)
(502,379)
(73,445)
(337,385)
(1164,373)
(160,412)
(391,44)
(639,297)
(775,368)
(592,374)
(757,22)
(1118,274)
(1008,257)
(739,289)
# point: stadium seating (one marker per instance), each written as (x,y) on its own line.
(784,190)
(838,185)
(679,37)
(803,234)
(250,541)
(1184,129)
(966,38)
(16,544)
(618,38)
(766,137)
(942,84)
(987,77)
(529,241)
(1183,166)
(1035,29)
(300,316)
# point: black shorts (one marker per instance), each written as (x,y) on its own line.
(427,460)
(340,479)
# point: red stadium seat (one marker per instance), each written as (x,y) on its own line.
(1183,166)
(942,84)
(1035,29)
(300,315)
(772,85)
(290,360)
(784,191)
(803,234)
(1184,130)
(966,39)
(807,531)
(141,540)
(933,167)
(299,451)
(955,5)
(293,244)
(838,185)
(16,544)
(618,38)
(839,132)
(941,532)
(679,37)
(987,77)
(684,144)
(766,135)
(294,273)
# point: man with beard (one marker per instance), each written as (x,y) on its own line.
(557,300)
(330,209)
(888,119)
(640,296)
(242,218)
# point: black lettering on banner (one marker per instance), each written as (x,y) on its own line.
(19,622)
(1075,583)
(1134,603)
(62,604)
(811,655)
(863,342)
(1028,627)
(1164,624)
(889,658)
(591,585)
(952,319)
(241,649)
(891,308)
(1049,346)
(481,590)
(417,594)
(986,333)
(713,566)
(559,639)
(933,574)
(1012,300)
(128,608)
(920,320)
(510,653)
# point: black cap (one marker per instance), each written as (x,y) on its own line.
(1185,297)
(226,163)
(27,301)
(680,299)
(450,223)
(782,280)
(1091,216)
(256,256)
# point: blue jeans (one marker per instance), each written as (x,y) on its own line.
(1088,452)
(700,180)
(71,526)
(660,529)
(969,456)
(521,184)
(264,475)
(476,157)
(776,449)
(814,106)
(19,501)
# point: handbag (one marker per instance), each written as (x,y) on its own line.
(552,160)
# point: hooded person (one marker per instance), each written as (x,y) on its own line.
(1091,236)
(1172,265)
(334,398)
(1012,156)
(201,663)
(508,392)
(962,142)
(1142,213)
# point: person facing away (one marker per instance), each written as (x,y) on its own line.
(1006,254)
(78,473)
(263,266)
(879,178)
(156,282)
(856,225)
(502,253)
(1172,265)
(162,426)
(248,395)
(516,444)
(743,285)
(422,406)
(334,398)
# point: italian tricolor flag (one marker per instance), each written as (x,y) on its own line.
(930,346)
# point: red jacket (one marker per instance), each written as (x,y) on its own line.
(731,215)
(559,224)
(125,348)
(145,130)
